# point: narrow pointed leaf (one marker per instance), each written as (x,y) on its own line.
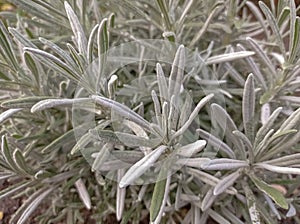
(267,126)
(191,149)
(32,203)
(209,179)
(217,217)
(8,113)
(121,193)
(208,200)
(90,45)
(248,107)
(50,103)
(122,110)
(23,102)
(224,164)
(21,162)
(83,193)
(160,194)
(102,156)
(228,57)
(291,121)
(262,55)
(140,167)
(54,63)
(176,75)
(193,115)
(14,189)
(226,182)
(270,191)
(265,113)
(134,141)
(274,26)
(162,83)
(6,45)
(255,67)
(228,125)
(215,142)
(77,29)
(279,169)
(7,154)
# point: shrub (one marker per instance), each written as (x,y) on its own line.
(160,111)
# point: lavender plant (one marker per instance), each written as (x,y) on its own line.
(164,111)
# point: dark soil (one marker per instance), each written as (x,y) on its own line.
(8,205)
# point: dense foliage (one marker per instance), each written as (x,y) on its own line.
(167,111)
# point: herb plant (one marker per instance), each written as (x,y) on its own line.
(161,111)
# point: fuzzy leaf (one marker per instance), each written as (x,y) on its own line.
(267,126)
(228,125)
(209,179)
(55,48)
(294,32)
(162,83)
(23,102)
(102,156)
(255,68)
(83,193)
(279,169)
(8,113)
(105,136)
(122,110)
(215,142)
(217,217)
(39,10)
(7,154)
(258,14)
(228,57)
(262,55)
(176,75)
(248,107)
(81,143)
(274,26)
(205,25)
(133,140)
(208,200)
(77,29)
(15,188)
(140,167)
(285,160)
(165,14)
(157,107)
(292,99)
(21,162)
(54,63)
(265,113)
(193,115)
(226,182)
(160,194)
(23,40)
(32,203)
(90,45)
(121,193)
(291,121)
(224,164)
(270,191)
(6,46)
(292,211)
(191,149)
(50,103)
